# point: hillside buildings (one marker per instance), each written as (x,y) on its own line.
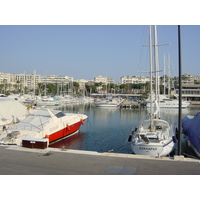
(56,79)
(133,79)
(16,81)
(30,82)
(104,80)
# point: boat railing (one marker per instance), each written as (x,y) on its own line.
(25,127)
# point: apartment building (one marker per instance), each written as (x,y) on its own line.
(133,79)
(82,83)
(189,79)
(10,81)
(28,80)
(57,79)
(102,79)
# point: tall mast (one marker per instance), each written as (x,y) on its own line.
(24,83)
(45,84)
(180,91)
(156,67)
(34,73)
(150,63)
(164,76)
(155,62)
(169,86)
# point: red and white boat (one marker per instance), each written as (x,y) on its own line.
(43,125)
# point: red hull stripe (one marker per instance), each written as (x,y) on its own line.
(64,132)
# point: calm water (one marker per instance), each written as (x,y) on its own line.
(107,129)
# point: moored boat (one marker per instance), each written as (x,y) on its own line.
(108,102)
(11,111)
(43,123)
(154,136)
(48,101)
(165,102)
(190,125)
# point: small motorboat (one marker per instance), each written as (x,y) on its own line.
(45,124)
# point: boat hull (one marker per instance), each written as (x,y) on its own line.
(154,150)
(106,105)
(170,104)
(67,131)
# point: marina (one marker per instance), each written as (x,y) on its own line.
(57,72)
(107,129)
(126,127)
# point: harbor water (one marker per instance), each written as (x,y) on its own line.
(107,129)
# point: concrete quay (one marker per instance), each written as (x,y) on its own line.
(24,161)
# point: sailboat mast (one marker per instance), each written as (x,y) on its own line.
(151,90)
(155,63)
(180,92)
(169,86)
(164,77)
(156,68)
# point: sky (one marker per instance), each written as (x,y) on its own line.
(87,51)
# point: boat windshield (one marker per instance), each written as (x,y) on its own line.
(60,114)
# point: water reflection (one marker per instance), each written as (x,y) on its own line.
(73,142)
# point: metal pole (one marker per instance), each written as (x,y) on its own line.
(180,92)
(151,89)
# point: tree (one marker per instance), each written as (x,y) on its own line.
(1,87)
(51,88)
(90,89)
(18,85)
(76,87)
(196,82)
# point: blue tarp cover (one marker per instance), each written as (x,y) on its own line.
(191,128)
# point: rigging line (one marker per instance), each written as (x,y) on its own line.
(150,72)
(191,156)
(119,147)
(142,50)
(146,45)
(88,122)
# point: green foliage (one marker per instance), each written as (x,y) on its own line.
(51,88)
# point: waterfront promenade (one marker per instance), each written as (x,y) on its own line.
(50,161)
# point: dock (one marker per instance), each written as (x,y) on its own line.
(195,104)
(130,104)
(17,160)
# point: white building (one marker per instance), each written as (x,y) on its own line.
(102,79)
(7,78)
(21,80)
(133,79)
(57,79)
(82,83)
(28,80)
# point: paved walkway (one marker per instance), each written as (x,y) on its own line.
(24,161)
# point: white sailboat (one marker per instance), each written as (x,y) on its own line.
(154,136)
(164,101)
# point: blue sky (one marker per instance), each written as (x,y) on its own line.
(91,50)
